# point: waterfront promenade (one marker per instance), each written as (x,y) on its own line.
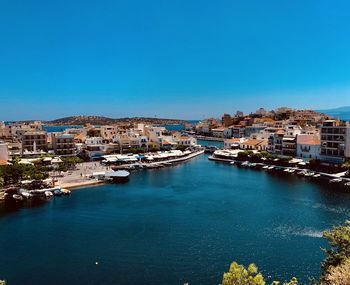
(281,168)
(81,176)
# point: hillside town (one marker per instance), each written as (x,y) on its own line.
(304,134)
(285,132)
(30,140)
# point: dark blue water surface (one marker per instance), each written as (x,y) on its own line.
(219,144)
(169,226)
(53,129)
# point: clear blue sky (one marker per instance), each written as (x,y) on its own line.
(181,58)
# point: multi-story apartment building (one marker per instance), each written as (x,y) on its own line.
(133,140)
(218,132)
(94,147)
(63,144)
(237,131)
(289,145)
(335,141)
(18,129)
(275,142)
(34,141)
(155,135)
(252,131)
(109,132)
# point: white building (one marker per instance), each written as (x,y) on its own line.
(308,147)
(218,132)
(184,140)
(155,134)
(94,141)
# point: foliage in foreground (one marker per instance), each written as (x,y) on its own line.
(335,268)
(239,275)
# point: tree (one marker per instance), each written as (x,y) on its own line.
(256,157)
(70,162)
(181,147)
(339,251)
(244,155)
(239,275)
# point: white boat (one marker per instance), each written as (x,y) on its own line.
(291,170)
(335,180)
(48,194)
(265,167)
(286,170)
(302,173)
(27,195)
(17,197)
(270,167)
(119,175)
(232,162)
(65,191)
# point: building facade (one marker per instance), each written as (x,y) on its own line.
(34,141)
(335,141)
(64,145)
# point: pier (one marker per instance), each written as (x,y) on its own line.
(333,178)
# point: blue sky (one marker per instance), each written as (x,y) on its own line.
(180,59)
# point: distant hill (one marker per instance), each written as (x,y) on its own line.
(342,113)
(100,120)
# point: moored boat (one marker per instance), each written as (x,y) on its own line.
(65,191)
(335,180)
(17,197)
(57,192)
(48,194)
(118,176)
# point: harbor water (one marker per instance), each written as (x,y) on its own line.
(184,223)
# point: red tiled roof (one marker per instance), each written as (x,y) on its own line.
(307,139)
